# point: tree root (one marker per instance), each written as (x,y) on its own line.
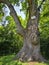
(26,54)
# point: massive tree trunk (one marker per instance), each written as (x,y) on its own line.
(31,47)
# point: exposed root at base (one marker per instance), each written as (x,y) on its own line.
(27,54)
(29,57)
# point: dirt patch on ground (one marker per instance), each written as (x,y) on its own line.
(32,63)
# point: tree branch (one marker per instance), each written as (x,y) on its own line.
(33,12)
(41,5)
(14,15)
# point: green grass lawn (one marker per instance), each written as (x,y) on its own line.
(7,60)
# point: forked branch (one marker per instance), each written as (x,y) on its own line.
(33,12)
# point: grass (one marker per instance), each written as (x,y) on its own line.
(7,60)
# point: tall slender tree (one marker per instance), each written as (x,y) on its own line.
(31,47)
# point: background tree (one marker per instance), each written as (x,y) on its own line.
(31,47)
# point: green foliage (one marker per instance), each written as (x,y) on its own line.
(1,15)
(7,60)
(44,30)
(23,22)
(1,5)
(14,2)
(24,5)
(1,12)
(10,41)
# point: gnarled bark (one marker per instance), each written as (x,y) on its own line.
(30,52)
(31,48)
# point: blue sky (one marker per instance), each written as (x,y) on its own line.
(17,9)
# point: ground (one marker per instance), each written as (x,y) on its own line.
(7,60)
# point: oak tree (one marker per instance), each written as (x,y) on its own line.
(31,46)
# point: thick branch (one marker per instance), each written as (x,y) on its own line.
(33,12)
(32,7)
(14,15)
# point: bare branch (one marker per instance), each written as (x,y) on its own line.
(14,15)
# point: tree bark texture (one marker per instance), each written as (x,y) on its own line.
(31,48)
